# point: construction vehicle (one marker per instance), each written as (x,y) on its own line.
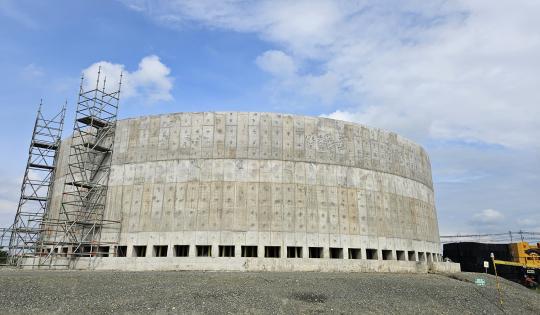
(518,262)
(525,264)
(525,254)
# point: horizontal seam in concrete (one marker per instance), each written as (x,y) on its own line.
(252,159)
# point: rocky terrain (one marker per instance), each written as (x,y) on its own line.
(85,292)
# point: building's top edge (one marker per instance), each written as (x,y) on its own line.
(400,137)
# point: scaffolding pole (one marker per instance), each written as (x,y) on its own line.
(35,196)
(77,231)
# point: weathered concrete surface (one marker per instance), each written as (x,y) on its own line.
(258,264)
(76,292)
(267,179)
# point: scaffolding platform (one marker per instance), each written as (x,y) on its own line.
(34,198)
(81,184)
(41,166)
(96,147)
(93,121)
(45,145)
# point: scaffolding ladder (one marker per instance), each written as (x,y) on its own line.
(77,230)
(35,196)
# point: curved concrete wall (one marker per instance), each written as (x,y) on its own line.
(267,179)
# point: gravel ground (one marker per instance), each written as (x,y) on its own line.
(85,292)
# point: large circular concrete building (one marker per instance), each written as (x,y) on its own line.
(265,191)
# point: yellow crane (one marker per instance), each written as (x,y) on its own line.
(523,255)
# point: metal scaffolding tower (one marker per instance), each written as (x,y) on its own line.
(36,187)
(77,231)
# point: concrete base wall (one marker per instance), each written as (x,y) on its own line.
(259,264)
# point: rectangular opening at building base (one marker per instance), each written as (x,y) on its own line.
(103,251)
(121,251)
(294,252)
(86,251)
(139,251)
(204,250)
(355,253)
(412,255)
(181,250)
(226,250)
(160,250)
(336,253)
(315,252)
(249,251)
(400,254)
(272,251)
(372,254)
(387,254)
(421,256)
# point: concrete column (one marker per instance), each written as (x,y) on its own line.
(363,253)
(129,251)
(326,252)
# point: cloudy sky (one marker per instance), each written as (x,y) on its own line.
(462,78)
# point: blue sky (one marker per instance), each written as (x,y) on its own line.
(459,77)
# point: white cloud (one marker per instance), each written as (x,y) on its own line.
(488,217)
(285,70)
(304,22)
(443,70)
(151,81)
(277,63)
(32,71)
(472,80)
